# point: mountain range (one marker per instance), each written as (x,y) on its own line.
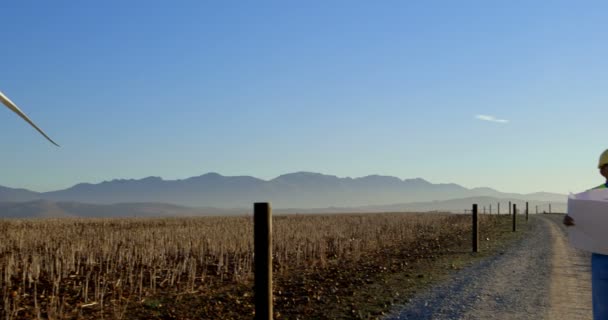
(302,190)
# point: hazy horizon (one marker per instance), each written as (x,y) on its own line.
(482,94)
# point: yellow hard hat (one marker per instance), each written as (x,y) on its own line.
(603,159)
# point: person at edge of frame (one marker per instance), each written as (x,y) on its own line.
(599,262)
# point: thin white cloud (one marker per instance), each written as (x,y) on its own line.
(490,118)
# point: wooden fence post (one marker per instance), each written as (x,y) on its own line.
(526,212)
(509,207)
(537,209)
(262,224)
(514,217)
(475,229)
(490,209)
(498,212)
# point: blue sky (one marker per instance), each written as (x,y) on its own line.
(350,88)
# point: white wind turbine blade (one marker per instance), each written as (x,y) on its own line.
(9,104)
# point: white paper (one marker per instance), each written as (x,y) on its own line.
(593,194)
(590,213)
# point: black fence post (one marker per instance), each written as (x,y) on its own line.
(262,225)
(526,212)
(475,229)
(514,217)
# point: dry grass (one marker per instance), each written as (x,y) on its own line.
(124,268)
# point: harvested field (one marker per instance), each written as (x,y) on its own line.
(325,266)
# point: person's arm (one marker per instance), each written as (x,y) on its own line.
(568,221)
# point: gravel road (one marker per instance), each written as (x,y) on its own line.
(539,277)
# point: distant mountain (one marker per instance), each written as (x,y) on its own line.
(32,209)
(295,190)
(9,194)
(51,209)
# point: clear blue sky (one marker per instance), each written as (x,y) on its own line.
(175,89)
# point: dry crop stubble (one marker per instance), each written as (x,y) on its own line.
(124,268)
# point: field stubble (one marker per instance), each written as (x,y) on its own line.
(325,266)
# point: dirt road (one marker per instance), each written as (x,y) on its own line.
(540,277)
